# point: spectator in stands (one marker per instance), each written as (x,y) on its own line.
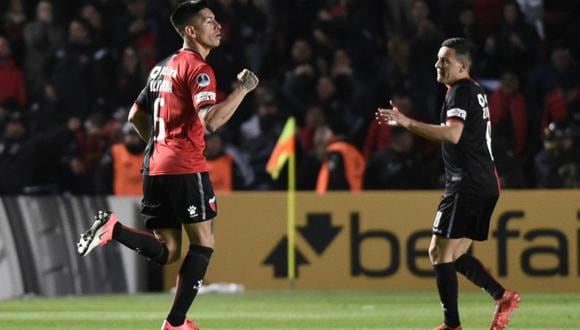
(396,166)
(558,165)
(551,87)
(119,171)
(509,122)
(343,165)
(517,40)
(13,21)
(425,39)
(259,135)
(223,170)
(301,76)
(135,28)
(17,148)
(131,77)
(84,155)
(309,164)
(42,36)
(12,84)
(508,115)
(71,71)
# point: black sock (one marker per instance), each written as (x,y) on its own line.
(446,278)
(190,277)
(144,243)
(473,270)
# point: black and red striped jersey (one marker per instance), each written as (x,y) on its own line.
(469,165)
(177,88)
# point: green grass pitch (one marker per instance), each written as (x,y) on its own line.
(285,310)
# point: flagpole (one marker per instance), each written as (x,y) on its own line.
(291,209)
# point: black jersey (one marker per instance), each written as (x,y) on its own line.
(469,166)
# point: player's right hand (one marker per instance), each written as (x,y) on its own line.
(248,80)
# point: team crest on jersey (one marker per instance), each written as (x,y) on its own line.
(202,80)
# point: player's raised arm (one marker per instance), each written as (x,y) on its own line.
(449,132)
(215,116)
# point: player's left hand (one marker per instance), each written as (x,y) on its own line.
(248,80)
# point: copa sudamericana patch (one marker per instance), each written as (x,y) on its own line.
(203,79)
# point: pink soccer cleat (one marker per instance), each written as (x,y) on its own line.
(503,309)
(187,325)
(100,233)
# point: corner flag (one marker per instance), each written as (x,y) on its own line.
(283,149)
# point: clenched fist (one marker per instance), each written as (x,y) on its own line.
(248,80)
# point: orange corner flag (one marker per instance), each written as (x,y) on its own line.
(283,149)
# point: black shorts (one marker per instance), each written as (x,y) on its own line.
(464,216)
(170,200)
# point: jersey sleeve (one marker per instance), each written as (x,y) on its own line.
(203,87)
(458,102)
(141,100)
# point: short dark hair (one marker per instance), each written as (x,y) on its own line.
(182,15)
(462,46)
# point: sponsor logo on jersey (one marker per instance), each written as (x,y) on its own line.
(204,96)
(203,80)
(456,112)
(155,72)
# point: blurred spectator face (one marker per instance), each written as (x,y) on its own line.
(420,11)
(137,8)
(130,60)
(341,65)
(404,104)
(398,48)
(5,50)
(268,114)
(466,17)
(44,12)
(94,126)
(14,130)
(322,136)
(263,93)
(314,117)
(77,32)
(509,83)
(93,16)
(510,13)
(301,51)
(561,59)
(16,7)
(325,88)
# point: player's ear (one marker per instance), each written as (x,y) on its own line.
(189,30)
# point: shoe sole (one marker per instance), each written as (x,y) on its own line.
(92,238)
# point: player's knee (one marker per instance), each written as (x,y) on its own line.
(173,254)
(204,240)
(434,253)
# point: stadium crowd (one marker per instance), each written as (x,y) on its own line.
(70,70)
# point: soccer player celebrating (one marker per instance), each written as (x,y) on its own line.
(172,113)
(471,189)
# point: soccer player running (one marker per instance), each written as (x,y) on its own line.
(172,113)
(471,189)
